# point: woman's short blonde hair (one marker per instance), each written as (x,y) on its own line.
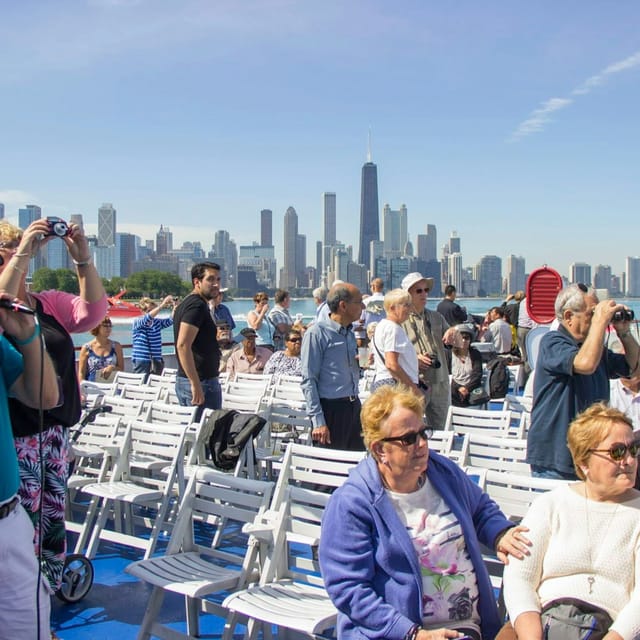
(395,297)
(9,232)
(145,303)
(589,429)
(380,405)
(260,296)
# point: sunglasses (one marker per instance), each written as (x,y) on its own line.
(294,340)
(465,336)
(409,439)
(105,324)
(618,450)
(422,290)
(9,245)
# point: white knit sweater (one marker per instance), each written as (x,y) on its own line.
(573,539)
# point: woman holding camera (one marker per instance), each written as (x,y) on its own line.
(466,366)
(257,320)
(146,352)
(58,314)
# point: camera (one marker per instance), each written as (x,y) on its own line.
(623,315)
(435,362)
(57,227)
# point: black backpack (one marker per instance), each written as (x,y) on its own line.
(232,431)
(498,378)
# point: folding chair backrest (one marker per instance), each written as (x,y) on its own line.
(223,502)
(125,377)
(464,420)
(450,445)
(163,413)
(142,393)
(497,454)
(514,493)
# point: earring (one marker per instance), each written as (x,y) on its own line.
(585,470)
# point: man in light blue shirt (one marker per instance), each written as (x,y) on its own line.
(330,372)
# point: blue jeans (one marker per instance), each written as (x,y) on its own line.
(211,389)
(141,366)
(554,474)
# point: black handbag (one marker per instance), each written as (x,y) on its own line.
(573,619)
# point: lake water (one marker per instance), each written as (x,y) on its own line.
(239,308)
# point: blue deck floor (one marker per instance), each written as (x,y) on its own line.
(114,607)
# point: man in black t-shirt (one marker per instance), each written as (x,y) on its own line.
(197,349)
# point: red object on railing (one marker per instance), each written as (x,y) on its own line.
(543,286)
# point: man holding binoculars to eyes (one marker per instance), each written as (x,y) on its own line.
(572,372)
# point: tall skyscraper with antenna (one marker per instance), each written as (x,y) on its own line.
(369,218)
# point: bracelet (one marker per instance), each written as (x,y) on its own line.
(413,632)
(30,339)
(82,263)
(24,254)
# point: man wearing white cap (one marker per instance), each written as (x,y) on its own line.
(428,332)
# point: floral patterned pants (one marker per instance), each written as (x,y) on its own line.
(51,496)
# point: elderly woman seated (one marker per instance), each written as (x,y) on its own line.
(585,554)
(400,546)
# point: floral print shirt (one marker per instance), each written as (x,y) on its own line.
(449,587)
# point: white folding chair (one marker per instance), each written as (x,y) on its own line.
(125,377)
(136,483)
(290,593)
(497,453)
(197,563)
(464,420)
(143,393)
(450,445)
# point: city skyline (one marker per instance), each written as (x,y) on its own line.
(513,124)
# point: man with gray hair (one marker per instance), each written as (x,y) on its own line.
(572,372)
(330,372)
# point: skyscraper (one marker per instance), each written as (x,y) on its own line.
(432,243)
(489,276)
(632,267)
(28,214)
(515,274)
(454,243)
(266,228)
(602,277)
(288,274)
(395,231)
(164,241)
(369,222)
(76,218)
(455,271)
(580,272)
(106,225)
(329,218)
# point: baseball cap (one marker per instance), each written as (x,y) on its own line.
(248,332)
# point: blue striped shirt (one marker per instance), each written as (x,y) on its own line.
(147,338)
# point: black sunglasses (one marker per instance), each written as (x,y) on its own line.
(409,439)
(583,287)
(421,291)
(294,340)
(618,450)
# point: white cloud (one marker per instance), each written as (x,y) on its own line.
(617,67)
(540,117)
(13,199)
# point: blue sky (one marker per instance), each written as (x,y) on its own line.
(513,123)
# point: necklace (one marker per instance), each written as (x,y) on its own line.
(591,580)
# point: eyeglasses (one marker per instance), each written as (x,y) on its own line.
(421,291)
(105,324)
(582,287)
(294,340)
(11,246)
(618,450)
(409,439)
(465,336)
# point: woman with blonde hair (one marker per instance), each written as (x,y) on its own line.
(585,555)
(257,320)
(400,548)
(59,314)
(395,360)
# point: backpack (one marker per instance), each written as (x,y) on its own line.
(232,431)
(498,378)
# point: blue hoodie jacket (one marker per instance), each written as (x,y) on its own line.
(368,562)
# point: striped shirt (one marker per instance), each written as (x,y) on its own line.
(147,338)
